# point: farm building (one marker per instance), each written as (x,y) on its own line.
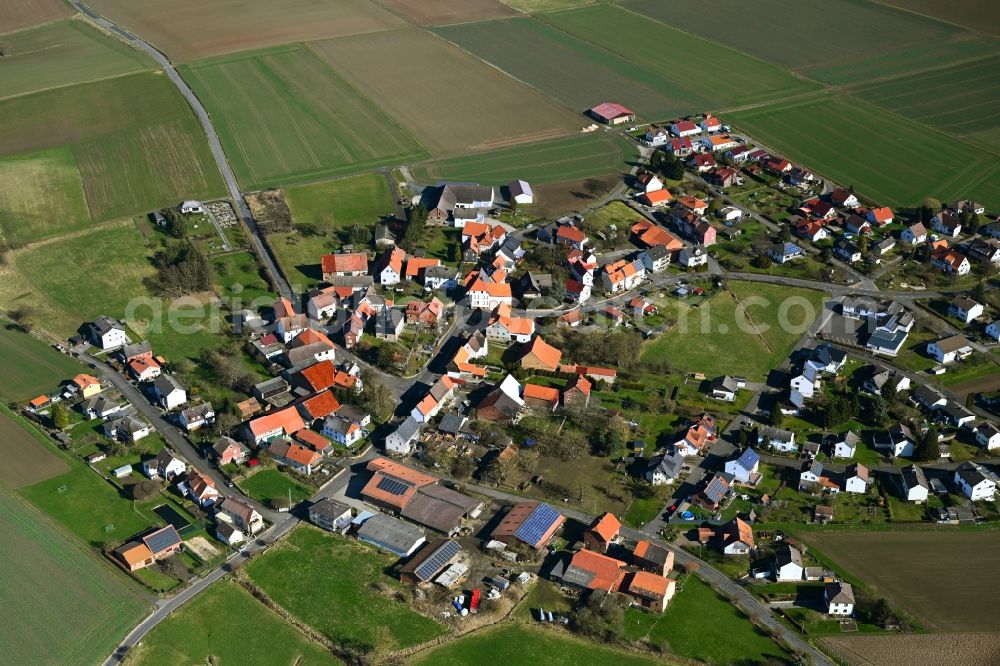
(520,192)
(430,562)
(532,523)
(390,534)
(611,113)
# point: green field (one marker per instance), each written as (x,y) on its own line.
(87,505)
(512,645)
(134,139)
(708,70)
(716,339)
(727,638)
(30,366)
(73,280)
(891,159)
(963,100)
(360,199)
(226,625)
(973,14)
(544,5)
(268,484)
(283,116)
(41,194)
(328,582)
(569,69)
(63,53)
(49,582)
(579,157)
(803,33)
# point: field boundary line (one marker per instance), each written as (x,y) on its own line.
(933,18)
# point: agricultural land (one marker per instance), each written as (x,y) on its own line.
(714,337)
(518,644)
(906,568)
(28,453)
(906,649)
(439,12)
(305,576)
(63,53)
(566,68)
(187,638)
(969,13)
(285,116)
(189,29)
(714,74)
(838,135)
(60,604)
(573,158)
(30,366)
(131,157)
(17,14)
(495,110)
(41,195)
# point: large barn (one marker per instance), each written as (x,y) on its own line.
(611,113)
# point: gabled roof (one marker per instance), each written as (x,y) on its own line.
(544,352)
(648,585)
(594,571)
(288,419)
(348,262)
(606,526)
(320,405)
(543,393)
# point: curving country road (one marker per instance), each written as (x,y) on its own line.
(242,210)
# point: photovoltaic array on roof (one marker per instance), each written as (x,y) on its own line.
(162,539)
(392,486)
(437,561)
(537,524)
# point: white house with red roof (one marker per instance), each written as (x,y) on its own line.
(684,128)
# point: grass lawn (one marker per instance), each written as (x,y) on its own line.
(717,338)
(643,510)
(727,637)
(31,366)
(285,117)
(544,594)
(213,628)
(268,484)
(111,261)
(49,577)
(327,581)
(87,505)
(41,195)
(512,645)
(360,199)
(585,156)
(239,277)
(63,53)
(837,136)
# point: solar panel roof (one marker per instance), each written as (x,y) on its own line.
(162,539)
(537,524)
(392,486)
(437,561)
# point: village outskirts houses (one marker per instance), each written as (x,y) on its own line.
(107,334)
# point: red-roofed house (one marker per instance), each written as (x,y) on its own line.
(684,128)
(577,391)
(594,571)
(541,397)
(344,265)
(601,533)
(282,423)
(571,236)
(656,198)
(540,355)
(649,590)
(880,216)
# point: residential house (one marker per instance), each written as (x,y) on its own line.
(646,182)
(897,441)
(99,407)
(505,328)
(950,349)
(622,275)
(738,154)
(777,439)
(680,147)
(440,278)
(856,479)
(800,177)
(289,327)
(168,392)
(571,236)
(697,437)
(389,267)
(724,388)
(241,514)
(988,436)
(915,234)
(503,404)
(880,379)
(847,251)
(649,591)
(737,538)
(342,431)
(993,329)
(601,533)
(652,557)
(813,230)
(125,425)
(692,257)
(228,451)
(844,198)
(984,251)
(144,368)
(956,415)
(839,598)
(845,445)
(664,469)
(975,482)
(810,474)
(744,468)
(300,458)
(927,398)
(193,418)
(880,216)
(965,309)
(913,484)
(200,487)
(87,385)
(682,128)
(279,423)
(389,324)
(106,333)
(347,264)
(656,198)
(593,571)
(520,193)
(718,144)
(331,515)
(656,259)
(401,440)
(164,466)
(656,137)
(788,564)
(322,303)
(229,534)
(947,224)
(785,252)
(724,177)
(149,548)
(777,166)
(577,391)
(701,162)
(951,261)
